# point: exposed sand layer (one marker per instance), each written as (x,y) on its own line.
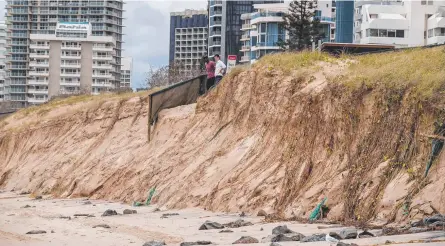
(135,229)
(263,139)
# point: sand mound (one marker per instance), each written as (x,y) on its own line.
(266,138)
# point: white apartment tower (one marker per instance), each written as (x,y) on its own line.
(35,22)
(403,23)
(126,72)
(2,59)
(71,61)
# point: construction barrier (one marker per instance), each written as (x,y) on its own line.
(182,93)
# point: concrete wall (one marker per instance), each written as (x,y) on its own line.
(55,53)
(86,67)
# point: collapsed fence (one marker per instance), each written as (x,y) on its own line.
(182,93)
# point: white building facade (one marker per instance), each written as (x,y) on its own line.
(263,29)
(71,61)
(2,59)
(403,23)
(25,18)
(126,72)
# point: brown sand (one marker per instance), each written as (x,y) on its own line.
(273,141)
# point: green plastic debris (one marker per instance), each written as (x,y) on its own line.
(137,204)
(150,196)
(316,213)
(148,201)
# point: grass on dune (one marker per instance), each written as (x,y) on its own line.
(41,109)
(421,69)
(289,61)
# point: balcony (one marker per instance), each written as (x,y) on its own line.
(215,23)
(245,48)
(71,75)
(34,55)
(245,37)
(16,59)
(13,67)
(37,100)
(246,27)
(37,82)
(215,33)
(215,12)
(71,47)
(103,48)
(215,3)
(69,83)
(105,58)
(38,74)
(40,64)
(15,75)
(103,76)
(215,43)
(103,67)
(325,19)
(103,84)
(70,65)
(38,91)
(39,47)
(71,57)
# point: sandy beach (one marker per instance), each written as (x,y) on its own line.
(57,218)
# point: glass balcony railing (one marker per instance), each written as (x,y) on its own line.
(325,19)
(266,14)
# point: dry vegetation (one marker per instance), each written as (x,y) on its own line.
(397,71)
(400,70)
(44,108)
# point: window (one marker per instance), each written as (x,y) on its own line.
(317,12)
(383,33)
(392,33)
(400,33)
(430,33)
(430,2)
(263,27)
(423,2)
(374,32)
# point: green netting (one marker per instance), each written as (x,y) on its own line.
(436,147)
(316,213)
(150,196)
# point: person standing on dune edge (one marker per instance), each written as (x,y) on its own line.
(210,70)
(220,69)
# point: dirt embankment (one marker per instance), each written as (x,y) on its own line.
(264,139)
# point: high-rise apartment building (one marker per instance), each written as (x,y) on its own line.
(71,61)
(41,17)
(126,72)
(188,38)
(403,23)
(225,26)
(2,59)
(263,29)
(344,22)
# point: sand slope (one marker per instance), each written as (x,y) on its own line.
(262,140)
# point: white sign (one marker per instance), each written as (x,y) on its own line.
(231,62)
(73,26)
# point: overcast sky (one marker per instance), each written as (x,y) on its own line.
(146,30)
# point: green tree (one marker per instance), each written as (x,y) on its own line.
(302,25)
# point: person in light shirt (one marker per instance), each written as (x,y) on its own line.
(220,69)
